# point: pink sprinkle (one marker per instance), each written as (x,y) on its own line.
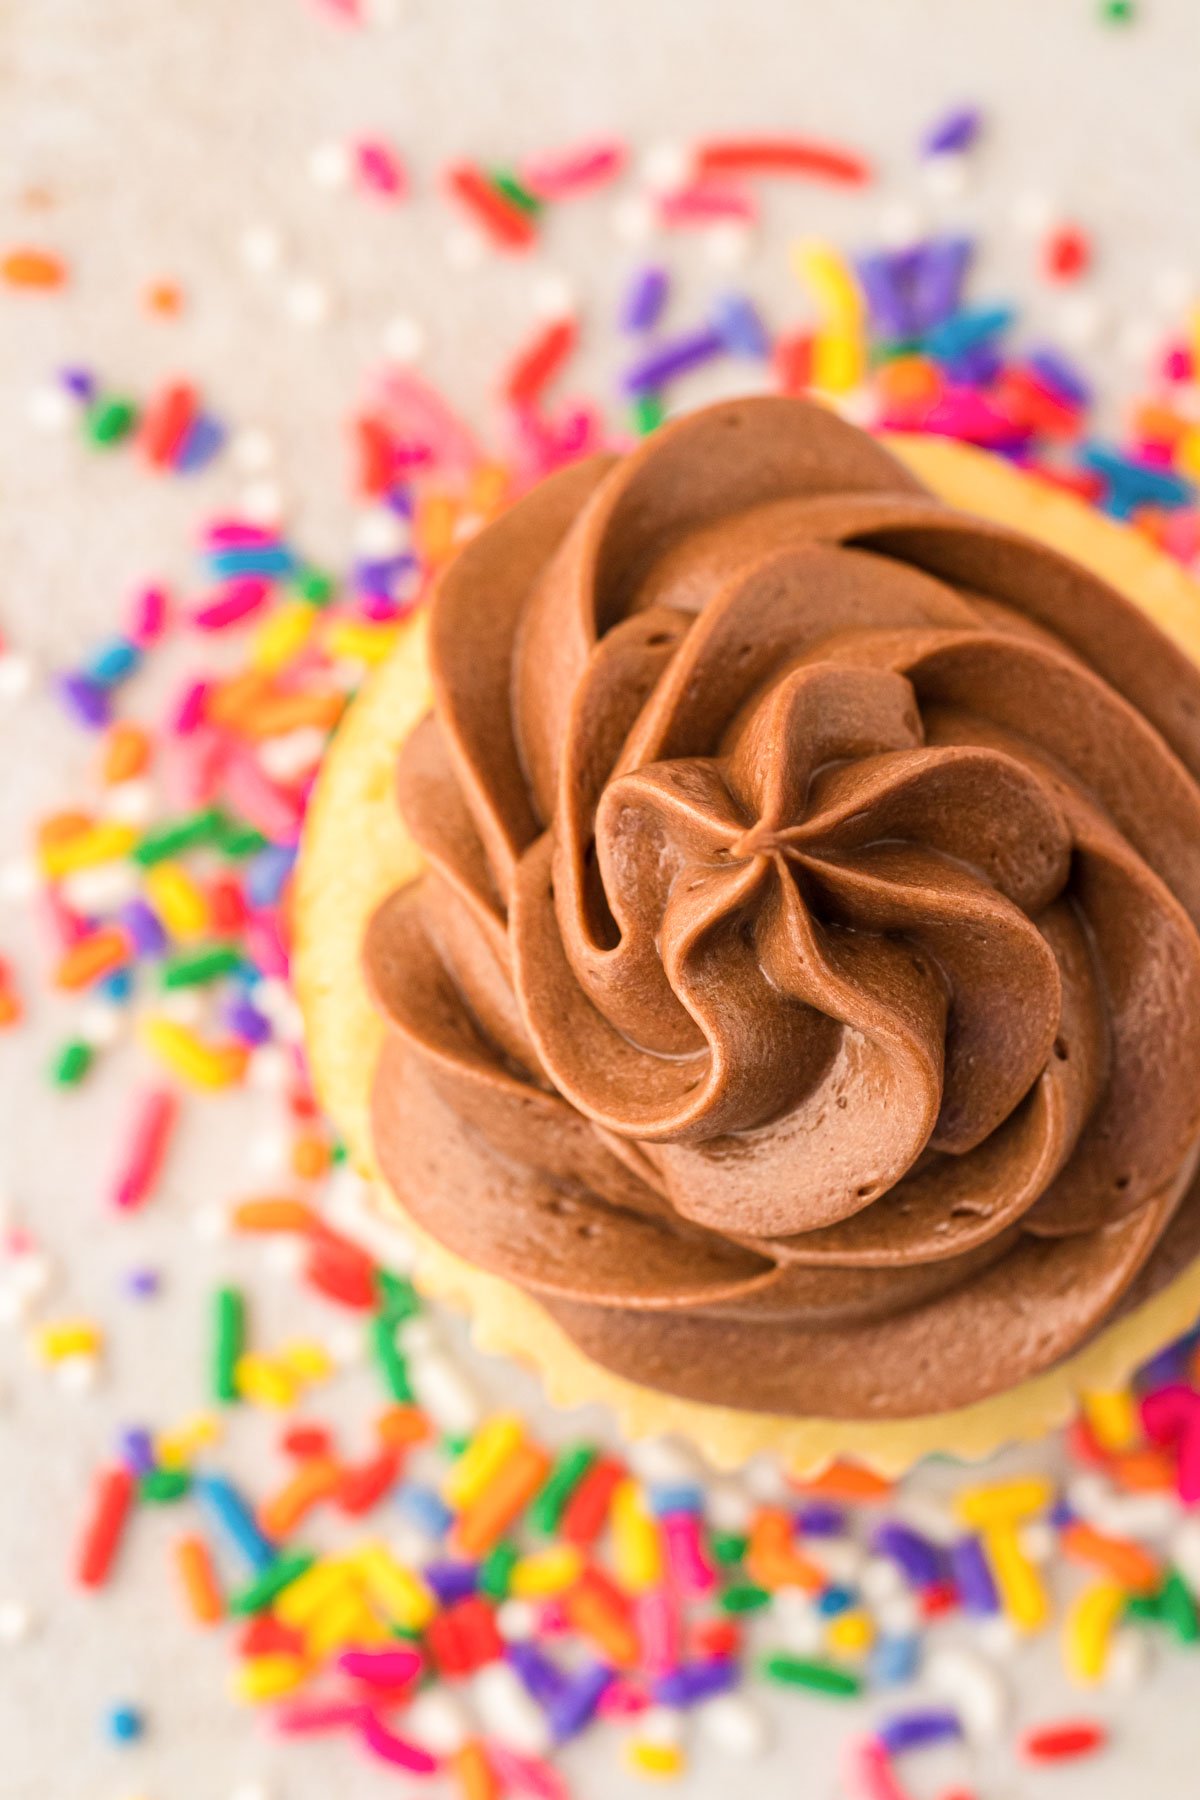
(148,616)
(411,411)
(526,1774)
(704,202)
(689,1566)
(392,1749)
(147,1147)
(264,945)
(197,768)
(304,1716)
(622,1700)
(556,176)
(380,1668)
(189,712)
(868,1773)
(235,603)
(238,534)
(258,800)
(658,1629)
(380,168)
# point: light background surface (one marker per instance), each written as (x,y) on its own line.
(163,131)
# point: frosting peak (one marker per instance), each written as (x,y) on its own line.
(803,998)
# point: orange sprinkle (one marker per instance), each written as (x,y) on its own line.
(511,1488)
(1144,1471)
(270,1213)
(400,1426)
(1128,1564)
(11,1010)
(773,1560)
(92,957)
(489,489)
(310,1156)
(28,267)
(600,1612)
(61,827)
(847,1481)
(270,715)
(433,527)
(195,1568)
(315,1480)
(229,700)
(126,753)
(164,298)
(474,1773)
(908,380)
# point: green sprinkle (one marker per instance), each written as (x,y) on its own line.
(196,968)
(405,1633)
(1145,1607)
(805,1672)
(452,1445)
(338,1153)
(397,1296)
(1177,1608)
(235,839)
(729,1547)
(108,421)
(508,185)
(1118,12)
(275,1577)
(179,835)
(647,413)
(161,1486)
(392,1365)
(72,1063)
(314,586)
(570,1467)
(744,1597)
(229,1337)
(495,1571)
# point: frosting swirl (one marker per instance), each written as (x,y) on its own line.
(803,996)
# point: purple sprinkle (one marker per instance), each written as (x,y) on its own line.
(973,1577)
(451,1581)
(644,301)
(88,700)
(820,1520)
(920,1560)
(887,301)
(80,382)
(377,574)
(202,441)
(1061,1515)
(1063,379)
(247,1023)
(142,1284)
(672,359)
(912,1730)
(740,325)
(137,1449)
(579,1699)
(267,873)
(544,1682)
(149,938)
(400,501)
(977,366)
(695,1681)
(937,281)
(956,130)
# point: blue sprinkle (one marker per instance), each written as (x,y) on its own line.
(957,130)
(202,441)
(675,1497)
(267,873)
(913,1730)
(251,559)
(425,1508)
(124,1724)
(894,1660)
(1135,483)
(741,328)
(834,1600)
(956,335)
(114,662)
(118,986)
(230,1512)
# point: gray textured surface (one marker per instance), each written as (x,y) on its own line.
(163,130)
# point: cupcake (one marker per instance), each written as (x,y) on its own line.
(759,958)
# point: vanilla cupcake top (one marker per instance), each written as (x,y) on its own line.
(803,997)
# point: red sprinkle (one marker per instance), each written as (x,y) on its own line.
(506,225)
(535,367)
(112,1498)
(587,1510)
(362,1484)
(781,156)
(341,1271)
(307,1440)
(1067,253)
(1059,1743)
(165,423)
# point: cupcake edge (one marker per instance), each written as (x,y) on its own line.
(356,850)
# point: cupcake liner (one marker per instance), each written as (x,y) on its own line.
(356,850)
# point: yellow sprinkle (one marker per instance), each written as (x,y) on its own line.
(839,361)
(1187,455)
(829,279)
(546,1572)
(282,637)
(397,1591)
(1091,1619)
(60,1338)
(360,640)
(174,1449)
(488,1451)
(344,1619)
(199,1064)
(1018,1583)
(1003,1502)
(265,1383)
(306,1359)
(303,1598)
(179,903)
(850,1634)
(1113,1419)
(637,1544)
(664,1760)
(262,1678)
(86,849)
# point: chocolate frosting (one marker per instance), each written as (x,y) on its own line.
(803,996)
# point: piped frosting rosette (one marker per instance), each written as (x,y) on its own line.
(802,998)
